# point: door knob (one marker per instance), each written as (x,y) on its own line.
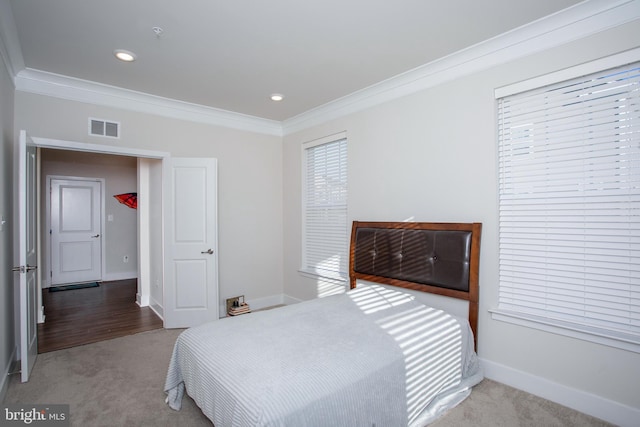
(24,269)
(97,235)
(210,251)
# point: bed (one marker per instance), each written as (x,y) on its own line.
(373,356)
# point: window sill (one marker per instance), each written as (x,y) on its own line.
(594,335)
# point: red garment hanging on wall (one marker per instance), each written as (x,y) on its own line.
(128,199)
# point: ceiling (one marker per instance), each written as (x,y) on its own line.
(234,54)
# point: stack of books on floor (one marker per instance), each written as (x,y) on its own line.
(242,308)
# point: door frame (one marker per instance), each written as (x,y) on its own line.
(47,267)
(144,246)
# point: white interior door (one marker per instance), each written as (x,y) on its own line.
(28,254)
(191,242)
(76,223)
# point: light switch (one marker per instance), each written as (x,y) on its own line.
(110,217)
(2,222)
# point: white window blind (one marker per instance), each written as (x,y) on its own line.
(325,208)
(569,178)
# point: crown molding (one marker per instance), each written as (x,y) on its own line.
(10,51)
(56,85)
(64,87)
(579,21)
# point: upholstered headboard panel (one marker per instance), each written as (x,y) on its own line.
(440,258)
(432,257)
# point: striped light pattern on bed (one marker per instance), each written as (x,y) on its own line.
(371,356)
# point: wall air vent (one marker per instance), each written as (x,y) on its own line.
(107,128)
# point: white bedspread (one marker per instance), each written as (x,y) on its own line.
(372,356)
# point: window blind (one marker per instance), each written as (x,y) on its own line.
(569,203)
(325,209)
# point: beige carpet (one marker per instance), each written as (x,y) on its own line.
(119,383)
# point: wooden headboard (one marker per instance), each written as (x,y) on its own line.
(438,258)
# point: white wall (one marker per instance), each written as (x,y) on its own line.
(120,176)
(7,337)
(431,156)
(249,179)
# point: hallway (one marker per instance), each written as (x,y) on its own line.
(83,316)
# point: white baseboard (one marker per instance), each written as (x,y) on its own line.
(125,275)
(108,277)
(255,304)
(596,406)
(259,303)
(270,301)
(157,308)
(142,302)
(4,382)
(288,300)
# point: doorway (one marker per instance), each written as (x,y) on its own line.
(130,169)
(101,234)
(169,185)
(89,238)
(165,211)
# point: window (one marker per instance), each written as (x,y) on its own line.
(325,230)
(569,207)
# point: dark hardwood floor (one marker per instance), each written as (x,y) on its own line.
(83,316)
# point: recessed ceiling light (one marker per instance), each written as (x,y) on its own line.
(124,55)
(277,97)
